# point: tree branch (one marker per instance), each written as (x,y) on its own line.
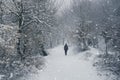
(11,10)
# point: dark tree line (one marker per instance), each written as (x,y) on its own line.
(33,24)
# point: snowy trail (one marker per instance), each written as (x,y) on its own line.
(60,67)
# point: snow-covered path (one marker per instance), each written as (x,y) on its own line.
(61,67)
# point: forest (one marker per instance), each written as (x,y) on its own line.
(28,28)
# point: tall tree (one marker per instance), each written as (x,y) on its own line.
(35,20)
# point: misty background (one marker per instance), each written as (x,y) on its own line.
(28,28)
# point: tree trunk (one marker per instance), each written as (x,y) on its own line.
(63,41)
(1,13)
(19,48)
(20,21)
(106,49)
(51,44)
(1,20)
(84,44)
(19,51)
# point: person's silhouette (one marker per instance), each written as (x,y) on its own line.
(66,48)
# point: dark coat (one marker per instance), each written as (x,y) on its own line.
(66,47)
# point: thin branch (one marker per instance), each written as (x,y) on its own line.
(42,21)
(15,5)
(11,10)
(24,26)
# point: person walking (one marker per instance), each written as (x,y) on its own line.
(66,48)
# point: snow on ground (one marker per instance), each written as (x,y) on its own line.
(1,76)
(61,67)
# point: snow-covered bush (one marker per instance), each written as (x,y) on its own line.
(8,37)
(14,69)
(10,64)
(110,65)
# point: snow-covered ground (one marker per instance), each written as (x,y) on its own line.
(71,67)
(1,76)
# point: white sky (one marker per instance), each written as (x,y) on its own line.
(63,4)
